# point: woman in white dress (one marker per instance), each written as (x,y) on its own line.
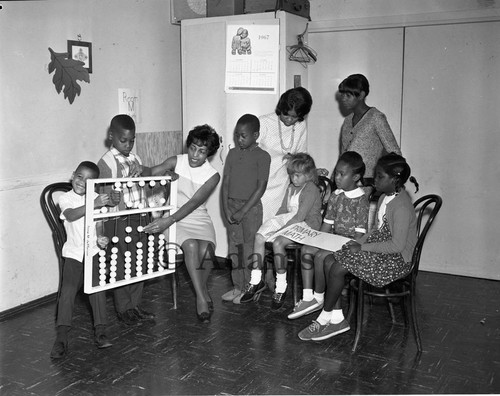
(283,132)
(195,231)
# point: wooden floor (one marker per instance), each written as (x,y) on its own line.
(248,349)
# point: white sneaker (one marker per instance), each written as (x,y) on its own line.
(231,295)
(305,307)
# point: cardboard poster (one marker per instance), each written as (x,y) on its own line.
(301,233)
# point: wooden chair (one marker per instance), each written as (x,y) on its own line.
(404,288)
(52,212)
(326,186)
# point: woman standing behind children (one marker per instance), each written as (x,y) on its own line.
(301,203)
(282,133)
(346,215)
(365,130)
(379,257)
(245,179)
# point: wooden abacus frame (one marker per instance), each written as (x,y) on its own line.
(92,215)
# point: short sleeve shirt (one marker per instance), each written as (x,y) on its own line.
(347,212)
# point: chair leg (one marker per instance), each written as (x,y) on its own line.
(413,307)
(359,314)
(173,282)
(352,302)
(390,307)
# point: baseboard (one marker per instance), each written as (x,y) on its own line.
(221,264)
(7,314)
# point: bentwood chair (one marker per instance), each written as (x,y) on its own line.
(404,289)
(326,186)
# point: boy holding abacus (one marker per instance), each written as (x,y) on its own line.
(72,206)
(120,162)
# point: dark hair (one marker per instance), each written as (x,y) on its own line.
(90,166)
(354,84)
(396,166)
(302,163)
(250,120)
(206,136)
(122,122)
(298,99)
(355,162)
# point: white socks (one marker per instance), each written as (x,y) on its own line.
(255,276)
(281,283)
(320,297)
(307,295)
(335,316)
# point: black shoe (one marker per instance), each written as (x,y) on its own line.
(251,291)
(128,317)
(142,314)
(204,317)
(278,300)
(101,341)
(59,349)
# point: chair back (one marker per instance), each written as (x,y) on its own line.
(51,211)
(428,207)
(326,188)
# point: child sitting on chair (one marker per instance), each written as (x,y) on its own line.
(301,203)
(379,257)
(346,215)
(72,206)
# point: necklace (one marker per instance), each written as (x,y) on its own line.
(286,150)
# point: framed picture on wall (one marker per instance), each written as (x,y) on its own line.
(82,51)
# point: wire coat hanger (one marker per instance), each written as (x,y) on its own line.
(301,52)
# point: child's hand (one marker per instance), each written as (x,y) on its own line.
(135,170)
(237,217)
(101,200)
(102,241)
(115,197)
(353,246)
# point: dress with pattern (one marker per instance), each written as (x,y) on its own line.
(293,140)
(378,269)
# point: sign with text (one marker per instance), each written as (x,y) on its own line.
(128,103)
(301,233)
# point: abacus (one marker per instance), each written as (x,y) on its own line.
(158,196)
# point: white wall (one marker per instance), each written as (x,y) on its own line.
(44,137)
(437,78)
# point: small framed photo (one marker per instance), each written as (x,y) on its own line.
(82,51)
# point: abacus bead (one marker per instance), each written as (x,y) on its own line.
(130,183)
(152,183)
(161,236)
(102,283)
(128,229)
(139,245)
(102,277)
(142,183)
(118,185)
(128,239)
(104,209)
(130,204)
(162,201)
(115,239)
(112,280)
(151,237)
(114,250)
(140,229)
(163,182)
(140,206)
(102,252)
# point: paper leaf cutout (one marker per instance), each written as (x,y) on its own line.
(67,72)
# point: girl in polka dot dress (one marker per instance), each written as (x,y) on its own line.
(380,256)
